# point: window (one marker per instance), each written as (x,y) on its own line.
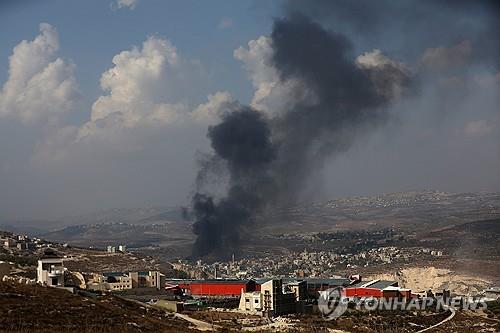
(247,300)
(256,301)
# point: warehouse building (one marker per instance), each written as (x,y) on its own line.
(215,287)
(377,289)
(316,285)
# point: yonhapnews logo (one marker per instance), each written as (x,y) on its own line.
(333,303)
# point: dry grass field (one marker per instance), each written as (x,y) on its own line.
(36,309)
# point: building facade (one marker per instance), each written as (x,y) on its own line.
(117,281)
(273,299)
(377,289)
(50,271)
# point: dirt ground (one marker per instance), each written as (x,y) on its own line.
(36,309)
(468,322)
(421,279)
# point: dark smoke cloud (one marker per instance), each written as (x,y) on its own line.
(243,141)
(323,59)
(410,26)
(269,160)
(347,99)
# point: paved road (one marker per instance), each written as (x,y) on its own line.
(450,317)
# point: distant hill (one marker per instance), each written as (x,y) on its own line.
(31,228)
(132,235)
(137,216)
(126,215)
(415,211)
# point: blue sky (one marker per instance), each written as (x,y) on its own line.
(91,32)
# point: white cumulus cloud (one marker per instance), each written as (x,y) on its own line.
(217,104)
(389,76)
(133,87)
(272,95)
(130,4)
(41,87)
(142,90)
(142,102)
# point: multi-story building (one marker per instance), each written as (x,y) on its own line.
(299,288)
(114,249)
(149,279)
(26,245)
(251,301)
(116,281)
(50,270)
(273,299)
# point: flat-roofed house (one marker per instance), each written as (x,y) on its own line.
(50,270)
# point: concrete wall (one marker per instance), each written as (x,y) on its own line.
(274,301)
(50,272)
(172,306)
(251,302)
(135,279)
(123,282)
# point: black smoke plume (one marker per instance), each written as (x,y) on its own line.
(268,160)
(243,141)
(410,26)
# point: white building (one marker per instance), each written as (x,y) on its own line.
(251,302)
(50,270)
(273,299)
(117,281)
(114,281)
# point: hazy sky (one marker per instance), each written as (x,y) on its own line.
(106,103)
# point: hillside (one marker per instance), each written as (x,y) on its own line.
(36,309)
(133,235)
(411,211)
(428,216)
(138,216)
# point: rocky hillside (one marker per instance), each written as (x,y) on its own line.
(36,309)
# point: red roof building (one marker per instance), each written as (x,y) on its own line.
(377,289)
(215,288)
